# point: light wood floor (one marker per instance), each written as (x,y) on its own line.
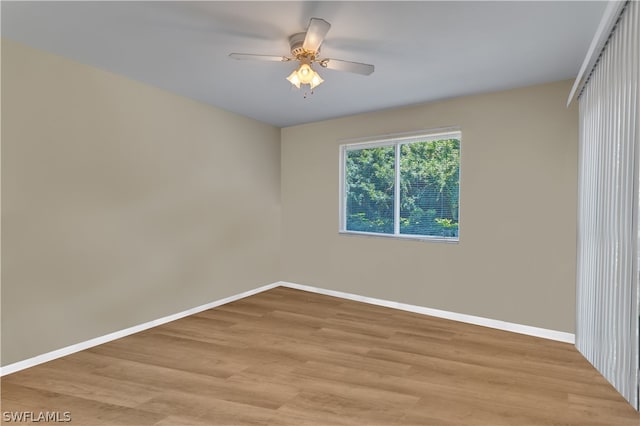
(288,357)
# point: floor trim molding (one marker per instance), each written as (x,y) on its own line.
(545,333)
(71,349)
(470,319)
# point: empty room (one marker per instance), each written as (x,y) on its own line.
(320,213)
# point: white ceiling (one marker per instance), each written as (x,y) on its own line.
(423,51)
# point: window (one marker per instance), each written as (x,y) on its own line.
(405,186)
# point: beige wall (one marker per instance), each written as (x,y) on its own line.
(122,203)
(516,257)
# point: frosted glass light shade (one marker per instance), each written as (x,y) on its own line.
(305,75)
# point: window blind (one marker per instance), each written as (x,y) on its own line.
(607,320)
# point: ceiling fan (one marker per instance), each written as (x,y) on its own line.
(305,48)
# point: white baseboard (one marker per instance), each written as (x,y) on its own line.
(68,350)
(470,319)
(560,336)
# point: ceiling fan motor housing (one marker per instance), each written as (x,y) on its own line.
(296,41)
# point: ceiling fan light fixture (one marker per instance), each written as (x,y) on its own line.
(293,78)
(304,74)
(316,81)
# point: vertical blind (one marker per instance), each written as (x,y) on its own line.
(608,233)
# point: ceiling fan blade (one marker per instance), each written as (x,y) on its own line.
(318,28)
(250,56)
(355,67)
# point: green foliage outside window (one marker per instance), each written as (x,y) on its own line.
(370,185)
(429,188)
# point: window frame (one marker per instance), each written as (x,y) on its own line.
(395,140)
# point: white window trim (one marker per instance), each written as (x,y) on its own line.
(395,140)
